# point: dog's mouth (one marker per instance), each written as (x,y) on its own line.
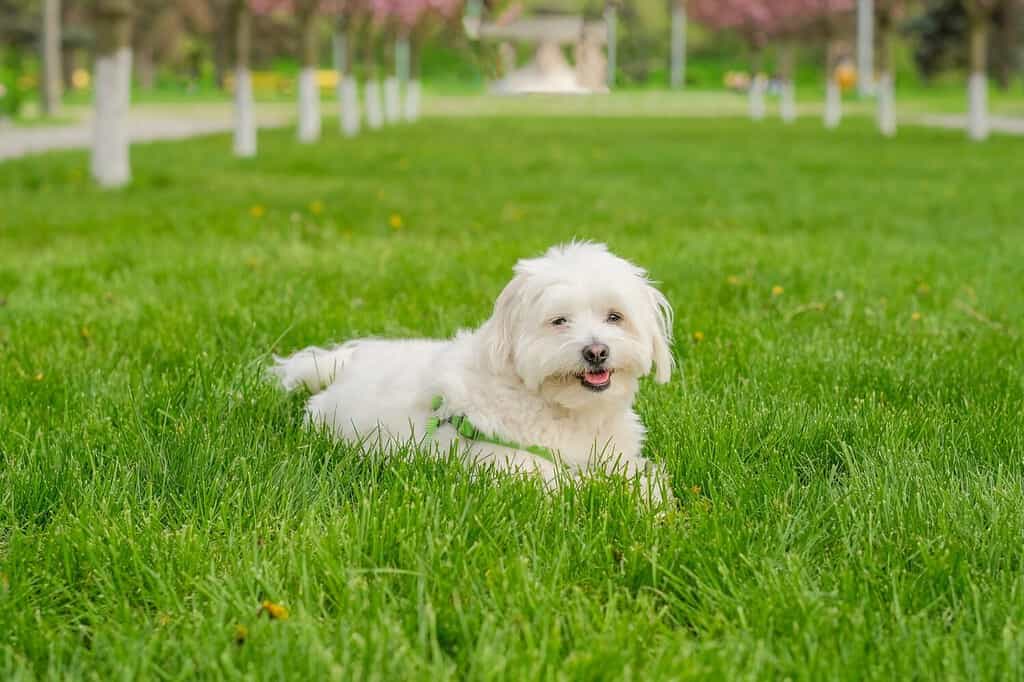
(596,379)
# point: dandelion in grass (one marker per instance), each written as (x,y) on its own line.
(915,316)
(257,211)
(273,611)
(241,634)
(316,207)
(39,376)
(734,280)
(924,289)
(777,290)
(698,336)
(395,221)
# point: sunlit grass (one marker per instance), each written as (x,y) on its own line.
(844,436)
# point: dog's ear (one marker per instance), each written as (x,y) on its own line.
(497,332)
(661,313)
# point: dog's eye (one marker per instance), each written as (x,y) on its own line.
(559,321)
(614,318)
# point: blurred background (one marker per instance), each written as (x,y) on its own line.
(191,66)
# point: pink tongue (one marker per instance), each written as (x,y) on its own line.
(596,378)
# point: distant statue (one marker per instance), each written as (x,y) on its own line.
(549,71)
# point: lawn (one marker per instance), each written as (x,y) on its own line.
(844,436)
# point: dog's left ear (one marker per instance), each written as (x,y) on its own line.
(661,313)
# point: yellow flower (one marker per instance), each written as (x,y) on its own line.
(698,336)
(316,207)
(915,316)
(924,289)
(241,634)
(777,290)
(395,221)
(257,211)
(274,611)
(695,489)
(733,280)
(38,376)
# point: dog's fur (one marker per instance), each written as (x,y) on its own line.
(521,376)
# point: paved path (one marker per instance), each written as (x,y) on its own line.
(144,124)
(998,124)
(171,122)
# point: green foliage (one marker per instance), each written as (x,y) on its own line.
(843,436)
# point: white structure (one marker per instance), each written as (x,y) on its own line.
(392,100)
(549,71)
(865,47)
(758,85)
(245,114)
(309,105)
(113,84)
(374,113)
(677,76)
(833,103)
(412,101)
(885,92)
(348,96)
(977,106)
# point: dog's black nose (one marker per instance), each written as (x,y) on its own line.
(595,353)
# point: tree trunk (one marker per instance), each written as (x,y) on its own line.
(374,112)
(865,47)
(611,21)
(392,95)
(755,93)
(309,91)
(348,95)
(113,71)
(885,88)
(677,70)
(413,90)
(833,95)
(245,144)
(145,69)
(50,85)
(977,85)
(787,98)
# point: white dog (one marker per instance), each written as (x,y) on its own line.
(545,385)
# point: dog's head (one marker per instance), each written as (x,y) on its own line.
(581,326)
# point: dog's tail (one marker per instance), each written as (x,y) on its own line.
(315,368)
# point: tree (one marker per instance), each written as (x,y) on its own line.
(755,21)
(245,114)
(979,16)
(50,84)
(112,91)
(887,12)
(677,66)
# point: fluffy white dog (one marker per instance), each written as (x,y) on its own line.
(545,385)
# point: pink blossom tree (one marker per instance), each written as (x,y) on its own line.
(754,21)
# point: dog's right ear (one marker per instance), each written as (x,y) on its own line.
(496,334)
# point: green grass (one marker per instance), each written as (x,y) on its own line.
(847,453)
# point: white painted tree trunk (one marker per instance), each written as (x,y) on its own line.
(677,76)
(392,100)
(309,105)
(787,102)
(756,97)
(886,94)
(865,47)
(412,101)
(977,111)
(374,114)
(113,83)
(349,98)
(833,104)
(245,114)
